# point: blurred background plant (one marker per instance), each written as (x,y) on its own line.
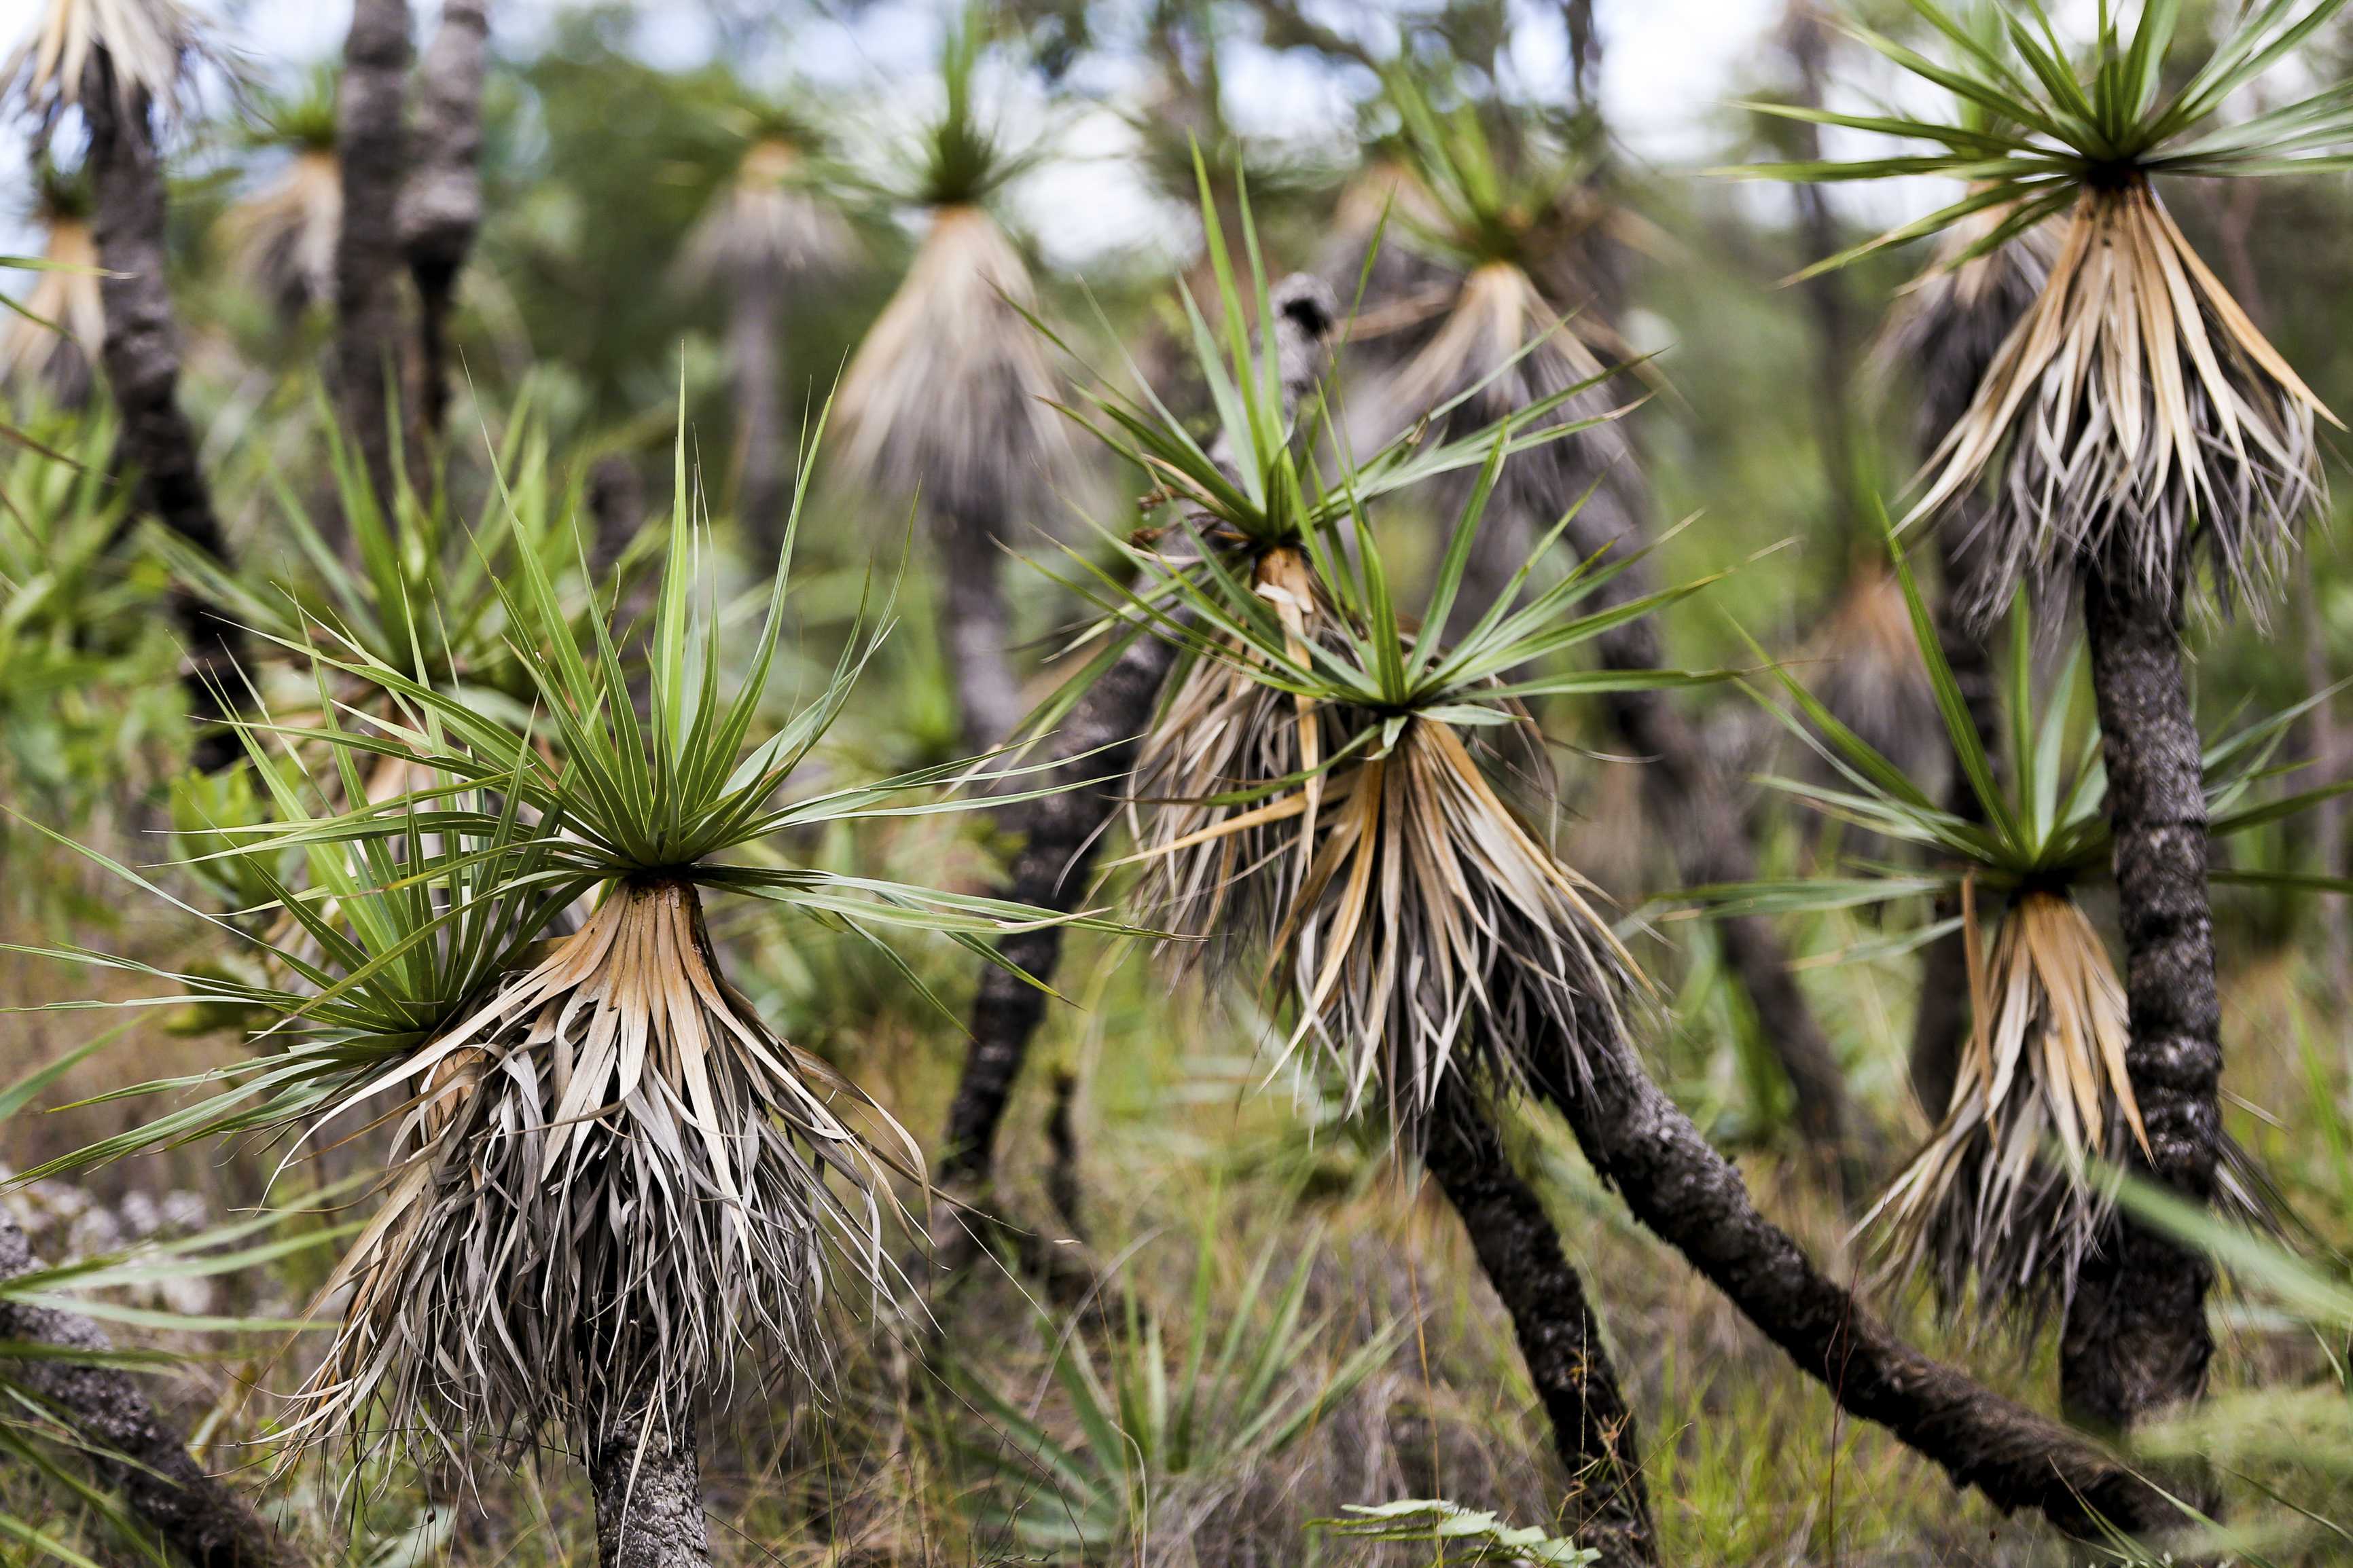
(720,194)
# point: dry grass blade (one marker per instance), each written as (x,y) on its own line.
(2044,1065)
(948,392)
(609,1171)
(2144,418)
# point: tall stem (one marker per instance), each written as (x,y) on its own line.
(442,205)
(974,627)
(760,486)
(2135,1341)
(648,1491)
(1607,1508)
(372,151)
(142,355)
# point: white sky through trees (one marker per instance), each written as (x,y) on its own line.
(1669,63)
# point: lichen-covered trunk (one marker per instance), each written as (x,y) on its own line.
(1677,1183)
(761,492)
(157,446)
(147,1462)
(441,203)
(2135,1342)
(648,1491)
(372,152)
(1607,1508)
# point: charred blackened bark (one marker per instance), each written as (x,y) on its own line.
(142,355)
(372,151)
(195,1513)
(1607,1508)
(442,205)
(648,1491)
(1677,1185)
(2135,1341)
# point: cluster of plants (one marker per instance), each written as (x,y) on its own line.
(558,879)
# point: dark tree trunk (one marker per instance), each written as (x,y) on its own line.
(197,1516)
(2135,1341)
(1060,836)
(648,1491)
(372,151)
(973,627)
(158,445)
(761,486)
(1607,1508)
(441,203)
(1677,1185)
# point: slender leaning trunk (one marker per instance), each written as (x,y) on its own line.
(974,627)
(648,1491)
(2135,1341)
(1677,1185)
(192,1512)
(1607,1508)
(142,356)
(372,151)
(441,206)
(752,296)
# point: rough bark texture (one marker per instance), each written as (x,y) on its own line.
(1678,1185)
(372,151)
(442,205)
(648,1495)
(1608,1507)
(761,486)
(142,355)
(1805,37)
(973,627)
(195,1513)
(2135,1341)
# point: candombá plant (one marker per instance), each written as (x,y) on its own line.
(2044,1066)
(1516,238)
(282,237)
(2135,424)
(50,344)
(768,227)
(946,398)
(1313,793)
(608,1172)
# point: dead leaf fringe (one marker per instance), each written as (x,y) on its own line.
(766,218)
(1947,324)
(1497,312)
(1416,922)
(606,1181)
(948,393)
(2044,1064)
(2145,417)
(282,238)
(60,363)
